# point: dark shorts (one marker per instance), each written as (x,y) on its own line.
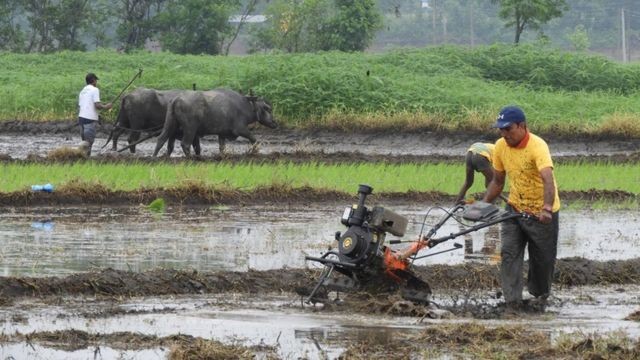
(477,162)
(85,121)
(87,130)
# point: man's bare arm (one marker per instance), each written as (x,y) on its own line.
(468,181)
(103,106)
(495,186)
(549,194)
(549,186)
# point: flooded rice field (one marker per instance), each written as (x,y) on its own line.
(278,321)
(37,242)
(19,146)
(121,282)
(237,238)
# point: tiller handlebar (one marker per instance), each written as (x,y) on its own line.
(366,263)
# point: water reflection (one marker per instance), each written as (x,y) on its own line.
(263,237)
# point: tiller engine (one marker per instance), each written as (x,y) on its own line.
(363,262)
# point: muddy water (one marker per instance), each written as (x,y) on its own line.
(281,321)
(37,352)
(69,240)
(21,145)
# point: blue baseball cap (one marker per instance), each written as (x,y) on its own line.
(509,115)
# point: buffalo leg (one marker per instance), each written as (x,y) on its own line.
(252,140)
(196,146)
(133,137)
(164,136)
(186,148)
(188,137)
(221,143)
(170,145)
(115,135)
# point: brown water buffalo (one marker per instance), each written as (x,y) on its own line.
(142,110)
(221,112)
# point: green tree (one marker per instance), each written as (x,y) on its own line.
(100,26)
(248,8)
(136,21)
(529,13)
(292,25)
(579,38)
(196,26)
(354,25)
(40,15)
(52,25)
(11,35)
(312,25)
(70,17)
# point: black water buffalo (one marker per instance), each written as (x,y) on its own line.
(142,110)
(221,112)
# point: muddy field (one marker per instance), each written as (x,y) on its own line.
(20,140)
(224,276)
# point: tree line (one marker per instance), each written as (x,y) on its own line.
(185,26)
(203,26)
(570,24)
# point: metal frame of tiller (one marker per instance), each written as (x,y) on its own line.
(362,256)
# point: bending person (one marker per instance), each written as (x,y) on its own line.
(478,159)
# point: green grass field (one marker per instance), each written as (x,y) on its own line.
(432,88)
(446,178)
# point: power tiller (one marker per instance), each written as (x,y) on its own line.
(362,262)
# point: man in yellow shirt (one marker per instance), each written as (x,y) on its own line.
(525,159)
(478,159)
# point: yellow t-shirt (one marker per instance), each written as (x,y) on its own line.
(482,149)
(526,191)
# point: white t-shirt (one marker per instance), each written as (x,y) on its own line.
(87,100)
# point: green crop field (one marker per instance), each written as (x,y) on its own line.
(446,178)
(432,88)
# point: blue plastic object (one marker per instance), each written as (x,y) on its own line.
(43,225)
(46,188)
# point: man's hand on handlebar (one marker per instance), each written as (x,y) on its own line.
(424,241)
(545,216)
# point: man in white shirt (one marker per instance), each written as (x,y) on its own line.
(89,104)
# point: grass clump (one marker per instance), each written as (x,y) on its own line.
(66,153)
(157,206)
(634,316)
(84,189)
(477,341)
(208,349)
(619,123)
(614,345)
